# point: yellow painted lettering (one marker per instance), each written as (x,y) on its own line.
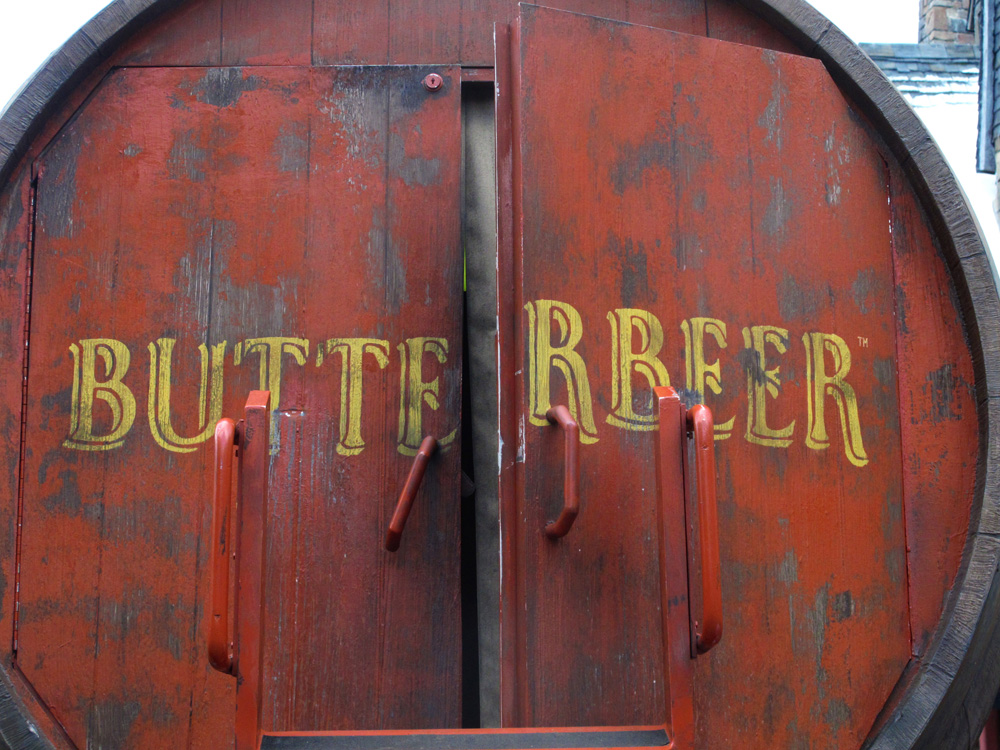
(821,384)
(414,392)
(627,358)
(762,384)
(209,399)
(87,389)
(271,351)
(701,376)
(352,352)
(544,354)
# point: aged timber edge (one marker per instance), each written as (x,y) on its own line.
(947,698)
(20,122)
(66,67)
(17,731)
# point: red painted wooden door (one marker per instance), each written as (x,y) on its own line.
(201,233)
(713,217)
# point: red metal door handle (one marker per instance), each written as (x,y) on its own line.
(395,531)
(700,422)
(571,480)
(220,654)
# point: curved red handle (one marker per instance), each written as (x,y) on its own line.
(220,654)
(700,422)
(571,480)
(395,532)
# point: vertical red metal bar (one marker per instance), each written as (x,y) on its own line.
(671,517)
(220,654)
(508,334)
(514,82)
(250,541)
(709,630)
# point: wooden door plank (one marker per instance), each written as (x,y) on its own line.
(696,209)
(938,415)
(383,273)
(212,233)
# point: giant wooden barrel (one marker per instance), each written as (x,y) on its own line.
(538,236)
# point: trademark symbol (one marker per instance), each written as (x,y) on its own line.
(863,342)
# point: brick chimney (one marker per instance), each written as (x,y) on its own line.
(944,22)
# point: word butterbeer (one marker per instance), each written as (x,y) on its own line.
(554,334)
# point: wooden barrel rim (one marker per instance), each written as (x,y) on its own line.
(937,703)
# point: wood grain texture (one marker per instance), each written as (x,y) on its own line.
(422,31)
(963,693)
(188,34)
(382,153)
(55,80)
(255,33)
(731,22)
(174,32)
(336,37)
(263,136)
(649,212)
(113,607)
(938,414)
(962,689)
(15,230)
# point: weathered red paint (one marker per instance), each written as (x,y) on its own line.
(938,419)
(111,589)
(221,129)
(638,199)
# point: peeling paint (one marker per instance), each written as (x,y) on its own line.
(795,302)
(632,160)
(109,723)
(773,116)
(291,149)
(57,186)
(842,606)
(413,171)
(634,274)
(868,292)
(222,87)
(942,384)
(788,568)
(837,714)
(778,210)
(187,161)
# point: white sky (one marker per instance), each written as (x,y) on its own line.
(873,20)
